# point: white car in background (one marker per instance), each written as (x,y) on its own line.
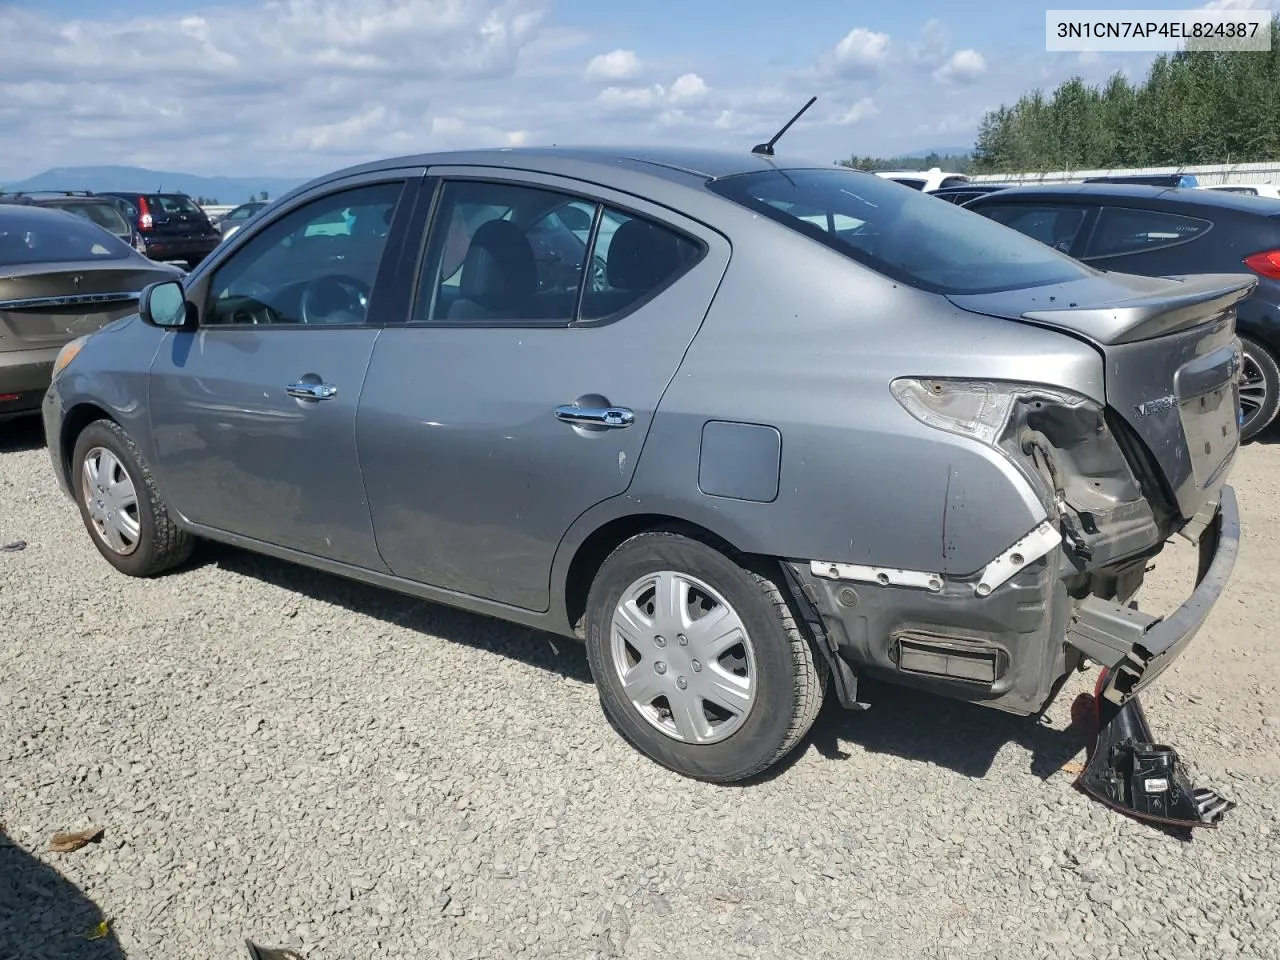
(926,181)
(1251,189)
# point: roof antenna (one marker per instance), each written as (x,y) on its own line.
(766,149)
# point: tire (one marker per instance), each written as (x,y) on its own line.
(153,543)
(1259,388)
(776,678)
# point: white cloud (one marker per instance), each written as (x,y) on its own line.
(964,66)
(864,109)
(688,86)
(617,65)
(861,52)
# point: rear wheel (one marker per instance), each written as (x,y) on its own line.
(126,519)
(699,661)
(1259,388)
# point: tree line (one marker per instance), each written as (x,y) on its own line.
(952,163)
(1193,107)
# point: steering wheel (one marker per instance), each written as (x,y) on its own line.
(335,298)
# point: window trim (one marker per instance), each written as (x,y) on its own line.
(1086,257)
(198,284)
(536,180)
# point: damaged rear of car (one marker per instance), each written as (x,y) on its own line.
(1104,414)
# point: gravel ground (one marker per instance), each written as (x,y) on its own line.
(281,755)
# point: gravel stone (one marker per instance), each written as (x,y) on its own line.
(280,755)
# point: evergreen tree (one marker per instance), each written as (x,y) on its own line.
(1194,107)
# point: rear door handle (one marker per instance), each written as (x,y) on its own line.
(616,417)
(311,391)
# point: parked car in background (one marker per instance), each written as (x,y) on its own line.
(811,426)
(171,225)
(924,180)
(237,217)
(61,276)
(1248,189)
(101,210)
(963,194)
(1158,232)
(1149,179)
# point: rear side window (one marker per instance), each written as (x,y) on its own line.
(510,253)
(1121,230)
(1053,225)
(905,236)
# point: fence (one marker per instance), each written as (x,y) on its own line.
(1208,174)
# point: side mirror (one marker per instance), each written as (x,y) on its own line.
(165,305)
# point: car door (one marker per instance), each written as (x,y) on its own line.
(517,398)
(1063,226)
(253,414)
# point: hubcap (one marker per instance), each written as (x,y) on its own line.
(683,657)
(111,500)
(1253,391)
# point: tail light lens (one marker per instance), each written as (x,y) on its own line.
(144,215)
(1266,264)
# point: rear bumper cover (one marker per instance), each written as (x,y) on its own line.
(26,373)
(1137,647)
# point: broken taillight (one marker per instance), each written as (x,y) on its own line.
(1266,264)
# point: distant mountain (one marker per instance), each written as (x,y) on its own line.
(941,151)
(226,190)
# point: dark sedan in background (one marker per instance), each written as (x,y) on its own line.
(61,276)
(1162,231)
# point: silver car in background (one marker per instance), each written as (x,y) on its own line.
(807,426)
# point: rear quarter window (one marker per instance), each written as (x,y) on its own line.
(1121,230)
(906,236)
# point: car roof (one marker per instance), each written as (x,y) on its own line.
(684,165)
(1186,196)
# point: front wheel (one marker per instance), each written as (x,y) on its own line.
(698,659)
(1259,388)
(126,519)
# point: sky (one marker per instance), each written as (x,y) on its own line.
(295,88)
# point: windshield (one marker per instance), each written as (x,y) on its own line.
(103,214)
(908,236)
(48,236)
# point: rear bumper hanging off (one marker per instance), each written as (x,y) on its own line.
(1137,647)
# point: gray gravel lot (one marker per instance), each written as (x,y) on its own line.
(282,755)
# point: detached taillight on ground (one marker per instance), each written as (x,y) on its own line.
(144,215)
(1266,264)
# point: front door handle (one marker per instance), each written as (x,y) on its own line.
(304,390)
(616,417)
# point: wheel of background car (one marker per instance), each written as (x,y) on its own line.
(599,281)
(335,298)
(1259,388)
(124,515)
(698,659)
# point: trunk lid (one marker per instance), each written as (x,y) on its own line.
(1172,360)
(44,305)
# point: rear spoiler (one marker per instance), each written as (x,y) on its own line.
(1196,298)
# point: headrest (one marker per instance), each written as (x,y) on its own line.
(642,256)
(499,271)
